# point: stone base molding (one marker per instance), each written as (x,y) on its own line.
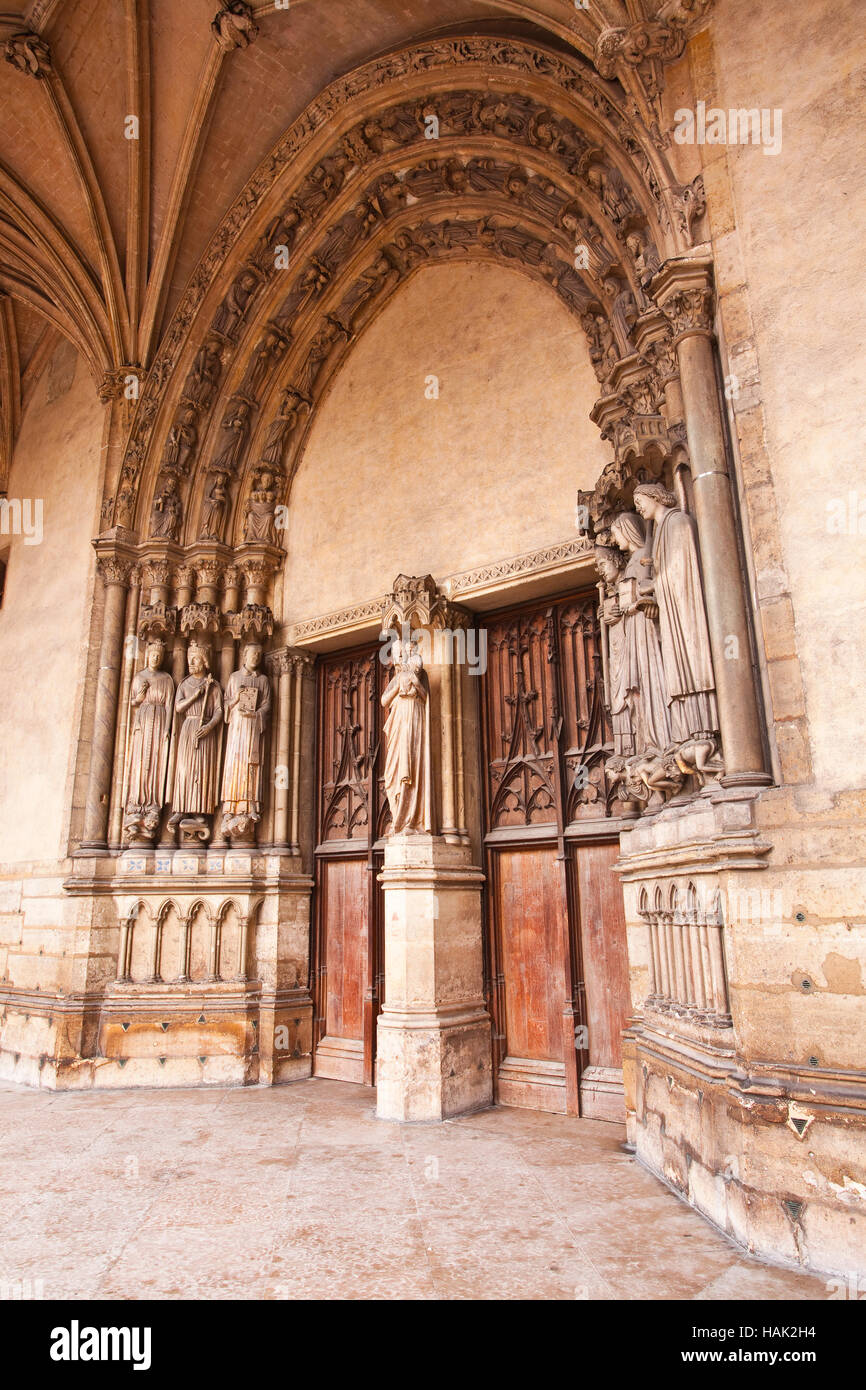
(731,1096)
(434,1053)
(176,977)
(760,1149)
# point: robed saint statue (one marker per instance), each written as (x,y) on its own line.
(408,771)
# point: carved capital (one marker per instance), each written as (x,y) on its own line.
(156,572)
(234,27)
(115,569)
(683,290)
(209,573)
(278,663)
(30,54)
(303,663)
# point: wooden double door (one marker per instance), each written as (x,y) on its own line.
(557,960)
(555,949)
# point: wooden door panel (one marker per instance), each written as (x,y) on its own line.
(343,884)
(348,940)
(530,918)
(604,952)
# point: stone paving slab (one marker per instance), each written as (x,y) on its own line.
(301,1192)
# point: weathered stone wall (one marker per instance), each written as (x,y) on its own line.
(769,1141)
(46,610)
(391,480)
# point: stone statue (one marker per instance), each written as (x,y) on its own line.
(408,771)
(204,376)
(213,509)
(180,443)
(610,565)
(247,710)
(259,513)
(623,313)
(236,425)
(685,643)
(199,701)
(150,703)
(165,512)
(646,690)
(292,404)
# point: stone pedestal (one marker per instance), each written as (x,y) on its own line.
(434,1043)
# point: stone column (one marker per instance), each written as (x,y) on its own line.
(130,649)
(433,1040)
(280,668)
(303,667)
(115,571)
(683,291)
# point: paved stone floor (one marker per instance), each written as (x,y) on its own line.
(300,1192)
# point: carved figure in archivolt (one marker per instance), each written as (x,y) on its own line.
(408,764)
(230,313)
(166,512)
(180,443)
(247,711)
(259,513)
(292,406)
(199,702)
(214,508)
(150,704)
(236,427)
(646,690)
(685,643)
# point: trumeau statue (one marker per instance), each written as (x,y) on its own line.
(199,701)
(408,766)
(247,710)
(150,702)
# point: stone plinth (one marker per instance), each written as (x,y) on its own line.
(434,1045)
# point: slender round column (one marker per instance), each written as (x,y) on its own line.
(280,668)
(683,290)
(115,574)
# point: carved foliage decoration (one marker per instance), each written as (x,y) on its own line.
(349,743)
(547,730)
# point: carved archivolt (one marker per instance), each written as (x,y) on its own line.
(558,168)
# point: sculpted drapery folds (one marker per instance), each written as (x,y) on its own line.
(610,565)
(199,701)
(659,677)
(408,770)
(646,691)
(151,701)
(247,711)
(685,642)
